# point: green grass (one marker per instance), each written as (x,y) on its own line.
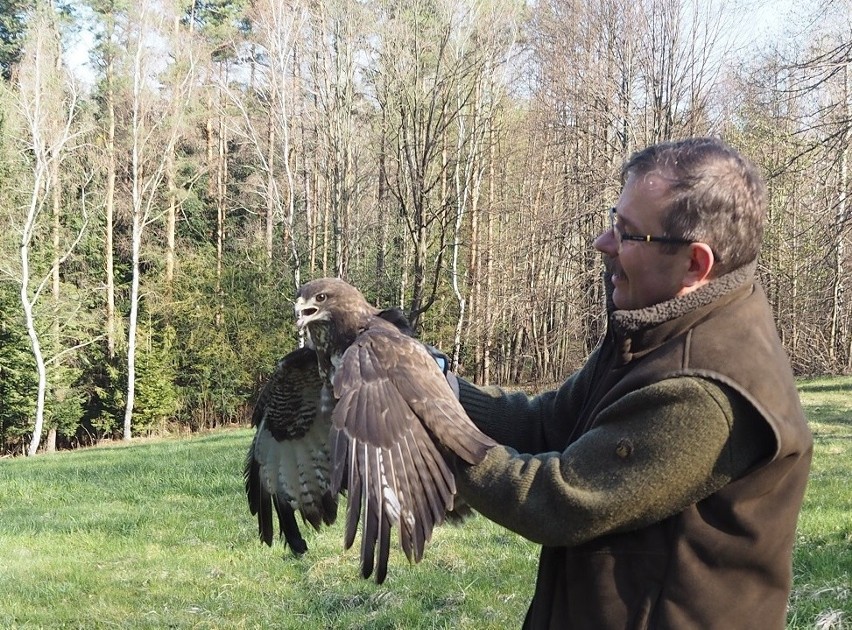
(822,564)
(157,534)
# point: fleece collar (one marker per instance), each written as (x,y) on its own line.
(639,331)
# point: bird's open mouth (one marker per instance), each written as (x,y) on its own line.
(305,315)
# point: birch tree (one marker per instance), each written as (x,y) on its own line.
(152,136)
(48,103)
(338,41)
(827,88)
(421,88)
(276,34)
(485,37)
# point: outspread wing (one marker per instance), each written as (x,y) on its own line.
(288,466)
(394,416)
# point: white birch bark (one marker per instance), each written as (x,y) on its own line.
(47,104)
(153,138)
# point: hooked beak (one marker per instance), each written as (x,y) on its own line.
(305,313)
(304,316)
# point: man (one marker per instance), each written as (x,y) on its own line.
(664,478)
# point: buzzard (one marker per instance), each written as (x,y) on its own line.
(365,409)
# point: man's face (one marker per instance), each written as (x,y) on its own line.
(642,274)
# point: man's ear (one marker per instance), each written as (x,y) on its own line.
(701,262)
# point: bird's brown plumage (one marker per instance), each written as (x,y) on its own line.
(377,417)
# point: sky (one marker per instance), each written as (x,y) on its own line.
(754,24)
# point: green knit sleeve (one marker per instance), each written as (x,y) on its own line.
(651,454)
(529,424)
(511,418)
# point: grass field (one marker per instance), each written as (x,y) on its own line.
(156,534)
(822,564)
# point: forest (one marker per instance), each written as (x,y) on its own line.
(172,170)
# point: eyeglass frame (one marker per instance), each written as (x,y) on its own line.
(620,236)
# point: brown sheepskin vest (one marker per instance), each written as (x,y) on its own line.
(724,562)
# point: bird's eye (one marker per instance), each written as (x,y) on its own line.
(321,297)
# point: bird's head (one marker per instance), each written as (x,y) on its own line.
(328,300)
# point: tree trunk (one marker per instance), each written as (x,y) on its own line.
(50,442)
(136,248)
(838,302)
(171,222)
(488,302)
(109,208)
(221,179)
(29,320)
(271,194)
(137,225)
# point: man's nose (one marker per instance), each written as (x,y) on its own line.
(607,244)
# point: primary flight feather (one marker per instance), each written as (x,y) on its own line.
(363,408)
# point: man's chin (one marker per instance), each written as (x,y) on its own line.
(619,301)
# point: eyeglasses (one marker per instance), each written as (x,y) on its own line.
(620,236)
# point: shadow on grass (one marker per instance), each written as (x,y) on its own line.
(828,406)
(830,386)
(836,422)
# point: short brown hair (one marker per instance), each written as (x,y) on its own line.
(716,196)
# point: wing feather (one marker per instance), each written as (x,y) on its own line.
(339,448)
(389,515)
(356,489)
(372,509)
(424,388)
(397,411)
(418,501)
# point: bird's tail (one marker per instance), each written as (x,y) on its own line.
(261,504)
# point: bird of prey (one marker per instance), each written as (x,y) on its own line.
(363,409)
